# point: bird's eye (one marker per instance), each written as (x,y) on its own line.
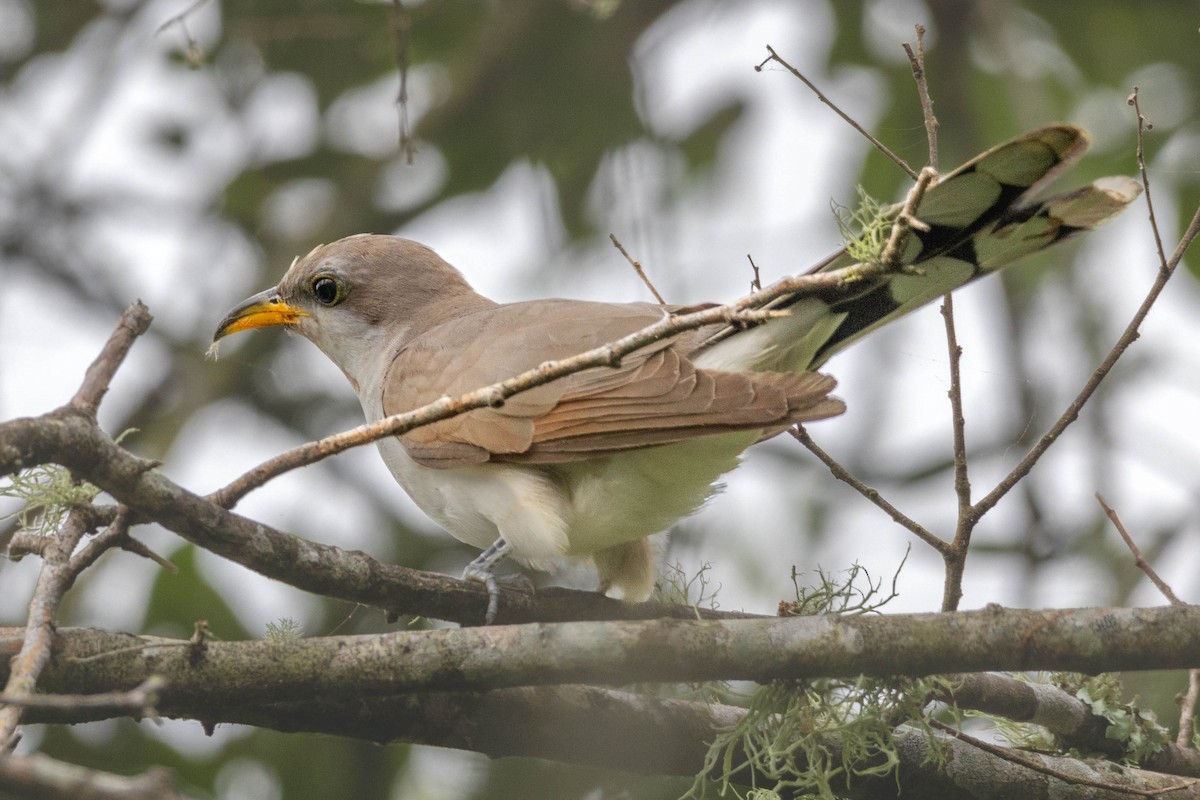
(325,289)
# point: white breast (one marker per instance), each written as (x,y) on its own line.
(477,504)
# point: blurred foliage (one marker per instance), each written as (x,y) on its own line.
(548,83)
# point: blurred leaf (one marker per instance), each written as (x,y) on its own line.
(178,601)
(701,147)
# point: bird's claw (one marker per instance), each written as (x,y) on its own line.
(482,570)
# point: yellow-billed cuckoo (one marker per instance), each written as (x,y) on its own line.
(590,465)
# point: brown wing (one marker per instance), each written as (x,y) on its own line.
(657,396)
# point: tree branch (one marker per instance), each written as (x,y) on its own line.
(74,441)
(133,323)
(1081,640)
(571,723)
(50,779)
(55,577)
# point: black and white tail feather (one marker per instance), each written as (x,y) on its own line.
(976,220)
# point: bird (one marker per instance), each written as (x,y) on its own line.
(587,467)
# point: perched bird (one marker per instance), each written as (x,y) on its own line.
(590,465)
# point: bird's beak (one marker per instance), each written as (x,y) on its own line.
(260,311)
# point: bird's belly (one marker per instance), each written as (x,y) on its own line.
(634,494)
(477,504)
(576,508)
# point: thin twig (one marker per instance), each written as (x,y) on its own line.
(1187,704)
(401,24)
(1145,125)
(756,281)
(1011,755)
(1128,336)
(39,775)
(637,267)
(842,474)
(141,698)
(181,16)
(917,62)
(132,324)
(880,146)
(116,534)
(193,52)
(906,221)
(957,555)
(1138,558)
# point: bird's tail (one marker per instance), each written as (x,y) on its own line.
(979,217)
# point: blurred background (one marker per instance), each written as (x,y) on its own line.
(185,160)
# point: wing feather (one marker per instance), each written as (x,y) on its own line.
(656,396)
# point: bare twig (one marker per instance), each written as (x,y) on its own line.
(1145,125)
(133,323)
(917,62)
(141,699)
(1187,704)
(116,534)
(23,544)
(637,267)
(842,474)
(1138,558)
(401,24)
(756,281)
(44,777)
(193,52)
(906,221)
(181,16)
(880,146)
(1031,762)
(956,555)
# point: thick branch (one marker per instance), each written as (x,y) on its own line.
(571,723)
(1082,640)
(72,440)
(54,579)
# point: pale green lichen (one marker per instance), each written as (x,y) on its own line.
(284,629)
(865,229)
(810,737)
(48,493)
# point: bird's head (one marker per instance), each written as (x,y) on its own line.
(356,299)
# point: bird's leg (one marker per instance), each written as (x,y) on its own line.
(482,569)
